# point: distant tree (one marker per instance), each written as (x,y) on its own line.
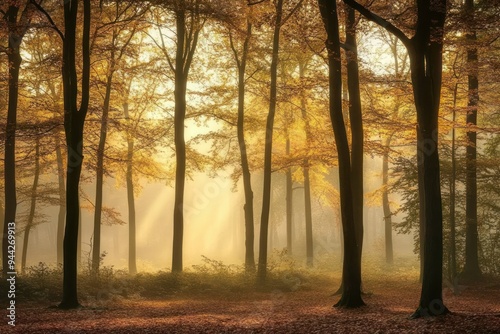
(31,216)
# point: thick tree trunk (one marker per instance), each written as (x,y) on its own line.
(31,215)
(180,144)
(74,120)
(385,202)
(426,69)
(471,271)
(266,197)
(351,272)
(245,169)
(355,115)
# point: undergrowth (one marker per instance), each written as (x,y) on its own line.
(42,283)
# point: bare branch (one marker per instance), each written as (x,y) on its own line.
(255,3)
(369,15)
(49,18)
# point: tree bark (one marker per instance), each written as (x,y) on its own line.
(385,202)
(471,271)
(356,118)
(266,197)
(96,245)
(31,215)
(351,271)
(245,169)
(289,198)
(74,120)
(452,264)
(180,144)
(14,60)
(305,173)
(62,201)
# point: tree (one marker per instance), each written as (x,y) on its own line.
(116,51)
(74,121)
(471,270)
(266,196)
(31,216)
(425,53)
(241,63)
(17,20)
(351,271)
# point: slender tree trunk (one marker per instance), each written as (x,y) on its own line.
(471,270)
(96,246)
(351,272)
(180,144)
(62,200)
(245,169)
(31,216)
(452,245)
(132,257)
(14,59)
(289,199)
(266,197)
(74,120)
(385,202)
(305,172)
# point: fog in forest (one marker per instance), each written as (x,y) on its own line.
(214,224)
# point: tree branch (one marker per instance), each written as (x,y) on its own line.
(297,6)
(369,15)
(255,3)
(47,15)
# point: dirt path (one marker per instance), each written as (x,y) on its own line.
(475,310)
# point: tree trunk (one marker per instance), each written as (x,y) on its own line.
(96,246)
(74,120)
(452,264)
(351,272)
(421,209)
(14,60)
(31,216)
(385,202)
(245,169)
(471,271)
(305,173)
(289,199)
(355,115)
(62,201)
(180,144)
(266,197)
(132,256)
(426,73)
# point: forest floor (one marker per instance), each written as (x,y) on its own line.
(305,309)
